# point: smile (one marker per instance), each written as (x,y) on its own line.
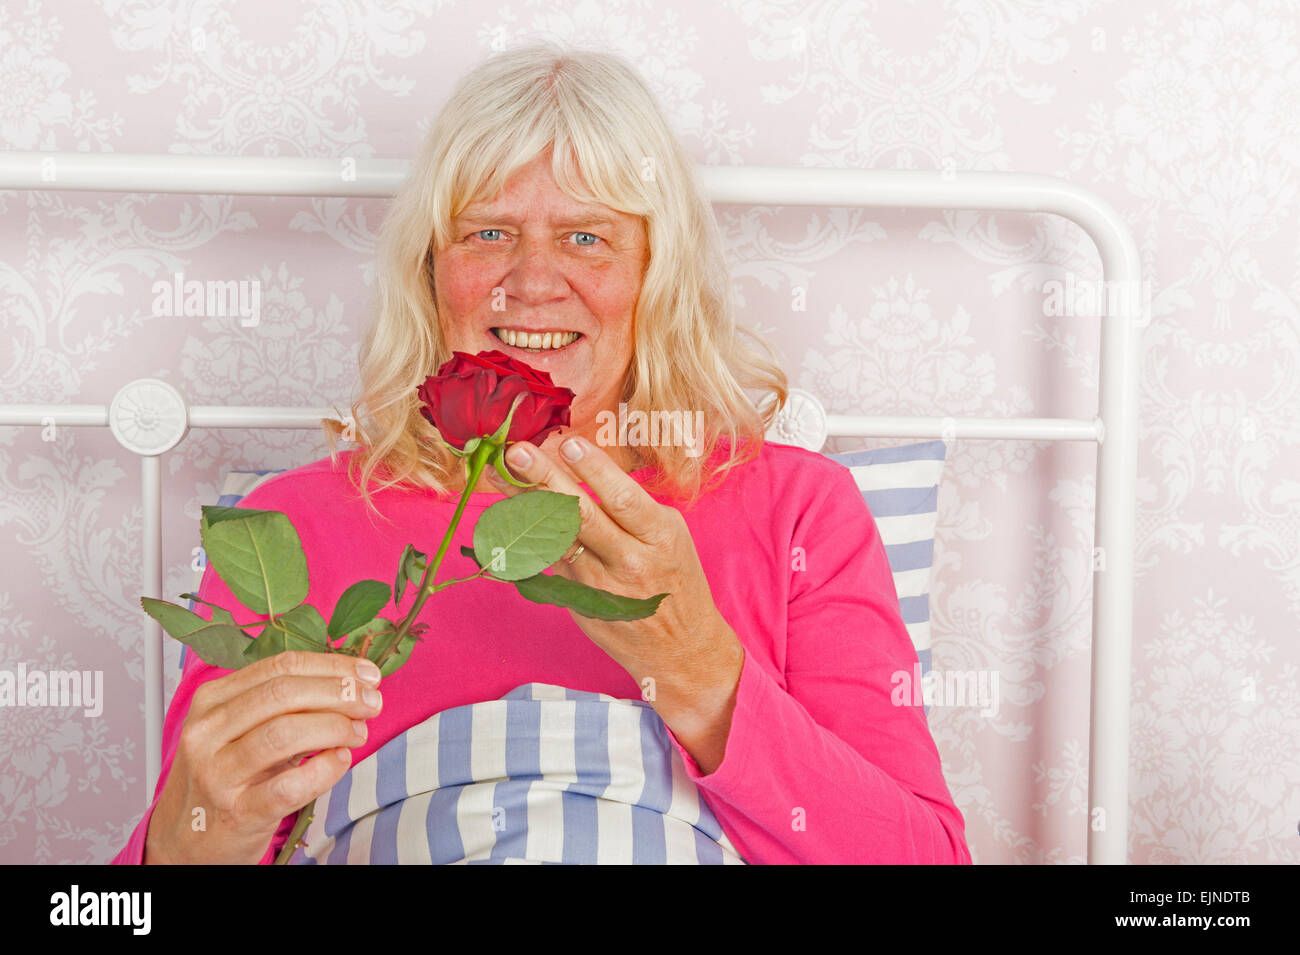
(536,341)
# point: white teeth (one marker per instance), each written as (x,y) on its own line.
(536,340)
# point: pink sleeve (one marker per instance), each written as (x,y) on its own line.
(195,674)
(820,765)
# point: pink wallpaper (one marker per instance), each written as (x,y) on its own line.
(1183,115)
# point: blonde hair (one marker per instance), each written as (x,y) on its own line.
(611,145)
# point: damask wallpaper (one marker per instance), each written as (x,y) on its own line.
(1184,115)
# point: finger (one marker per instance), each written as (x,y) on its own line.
(269,771)
(279,740)
(340,666)
(500,485)
(598,532)
(289,790)
(625,501)
(289,694)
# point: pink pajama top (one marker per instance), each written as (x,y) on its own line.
(820,765)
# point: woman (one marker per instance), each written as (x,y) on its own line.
(553,217)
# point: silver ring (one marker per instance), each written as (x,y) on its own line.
(574,556)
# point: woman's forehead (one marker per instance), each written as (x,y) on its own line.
(534,181)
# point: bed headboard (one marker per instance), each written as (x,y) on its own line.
(149,417)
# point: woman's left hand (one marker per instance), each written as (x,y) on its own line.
(685,656)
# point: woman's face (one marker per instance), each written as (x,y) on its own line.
(535,262)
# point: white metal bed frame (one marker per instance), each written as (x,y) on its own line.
(1114,428)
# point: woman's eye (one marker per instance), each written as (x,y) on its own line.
(584,239)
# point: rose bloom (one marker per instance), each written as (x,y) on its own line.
(472,394)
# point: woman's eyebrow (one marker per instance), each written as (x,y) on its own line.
(591,219)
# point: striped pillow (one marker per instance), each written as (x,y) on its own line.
(546,774)
(901,488)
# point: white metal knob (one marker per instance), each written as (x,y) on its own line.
(148,416)
(802,422)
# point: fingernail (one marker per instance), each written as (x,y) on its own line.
(519,457)
(572,449)
(370,696)
(343,755)
(367,672)
(359,726)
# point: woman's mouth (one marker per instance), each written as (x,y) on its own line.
(536,342)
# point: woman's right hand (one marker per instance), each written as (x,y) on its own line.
(237,757)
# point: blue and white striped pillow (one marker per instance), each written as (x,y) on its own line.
(901,488)
(546,774)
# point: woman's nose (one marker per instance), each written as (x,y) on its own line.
(537,271)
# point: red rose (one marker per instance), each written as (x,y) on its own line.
(472,394)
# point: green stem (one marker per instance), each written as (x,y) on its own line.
(461,580)
(477,462)
(295,834)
